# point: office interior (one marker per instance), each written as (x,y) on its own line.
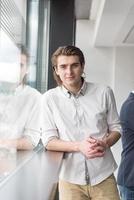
(102,29)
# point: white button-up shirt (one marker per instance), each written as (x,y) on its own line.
(92,112)
(20,114)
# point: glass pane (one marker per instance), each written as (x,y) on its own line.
(32,35)
(9,64)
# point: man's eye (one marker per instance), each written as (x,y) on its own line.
(21,65)
(62,67)
(76,65)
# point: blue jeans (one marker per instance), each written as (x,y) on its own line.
(126,193)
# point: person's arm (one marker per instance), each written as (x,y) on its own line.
(32,129)
(112,138)
(65,146)
(19,144)
(113,120)
(109,140)
(90,149)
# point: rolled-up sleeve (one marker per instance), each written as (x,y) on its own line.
(49,129)
(112,114)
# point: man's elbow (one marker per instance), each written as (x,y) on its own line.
(51,144)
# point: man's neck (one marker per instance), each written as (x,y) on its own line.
(74,89)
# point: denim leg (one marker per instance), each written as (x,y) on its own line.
(126,193)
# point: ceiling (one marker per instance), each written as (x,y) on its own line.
(82,9)
(114,20)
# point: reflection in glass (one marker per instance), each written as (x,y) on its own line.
(19,103)
(9,64)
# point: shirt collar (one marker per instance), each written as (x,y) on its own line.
(80,92)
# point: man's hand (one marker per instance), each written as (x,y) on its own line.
(92,148)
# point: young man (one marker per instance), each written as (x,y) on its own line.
(81,120)
(125,177)
(20,112)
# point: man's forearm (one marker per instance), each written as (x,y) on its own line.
(64,146)
(87,148)
(112,138)
(24,144)
(20,144)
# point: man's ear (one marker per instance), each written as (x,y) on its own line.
(83,66)
(56,71)
(27,72)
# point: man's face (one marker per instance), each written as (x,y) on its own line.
(69,69)
(23,67)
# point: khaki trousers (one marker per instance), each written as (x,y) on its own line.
(106,190)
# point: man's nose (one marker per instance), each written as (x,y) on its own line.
(69,70)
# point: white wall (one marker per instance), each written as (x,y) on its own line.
(110,66)
(99,61)
(124,73)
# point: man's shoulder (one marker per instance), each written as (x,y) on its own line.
(97,87)
(31,91)
(51,92)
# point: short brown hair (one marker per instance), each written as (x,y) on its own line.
(24,51)
(65,51)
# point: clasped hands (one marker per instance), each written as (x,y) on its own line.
(93,148)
